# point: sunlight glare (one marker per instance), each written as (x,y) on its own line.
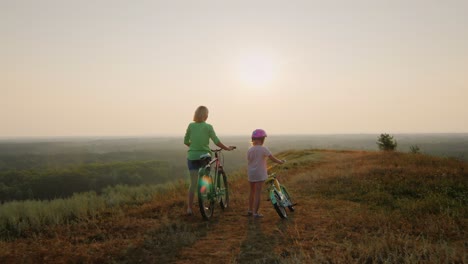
(256,70)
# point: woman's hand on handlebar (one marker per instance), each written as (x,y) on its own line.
(222,146)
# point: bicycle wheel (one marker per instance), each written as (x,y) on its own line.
(286,194)
(205,196)
(277,205)
(223,191)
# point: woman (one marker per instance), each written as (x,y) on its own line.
(197,138)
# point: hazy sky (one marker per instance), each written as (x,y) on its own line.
(120,68)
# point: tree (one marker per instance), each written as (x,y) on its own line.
(386,142)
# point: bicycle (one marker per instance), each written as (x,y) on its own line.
(212,184)
(279,196)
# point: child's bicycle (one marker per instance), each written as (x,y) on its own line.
(212,184)
(279,196)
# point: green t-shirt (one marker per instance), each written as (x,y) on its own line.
(198,135)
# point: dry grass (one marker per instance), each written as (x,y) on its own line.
(353,207)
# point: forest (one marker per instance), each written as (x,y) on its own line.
(46,184)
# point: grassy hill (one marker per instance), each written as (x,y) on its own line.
(353,207)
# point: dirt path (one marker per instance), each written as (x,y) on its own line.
(235,237)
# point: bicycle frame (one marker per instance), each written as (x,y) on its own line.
(218,167)
(278,195)
(274,185)
(212,185)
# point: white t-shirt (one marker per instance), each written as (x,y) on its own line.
(257,163)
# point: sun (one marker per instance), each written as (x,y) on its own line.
(256,70)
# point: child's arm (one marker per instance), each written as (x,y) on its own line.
(275,159)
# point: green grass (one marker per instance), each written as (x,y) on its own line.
(402,208)
(20,217)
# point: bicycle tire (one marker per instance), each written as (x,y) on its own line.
(205,196)
(286,194)
(223,190)
(278,208)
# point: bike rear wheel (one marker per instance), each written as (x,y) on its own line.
(205,196)
(286,194)
(223,191)
(277,205)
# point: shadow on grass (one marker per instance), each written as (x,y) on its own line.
(257,246)
(163,245)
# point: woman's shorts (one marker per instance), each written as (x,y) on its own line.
(194,164)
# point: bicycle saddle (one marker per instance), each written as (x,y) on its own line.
(205,156)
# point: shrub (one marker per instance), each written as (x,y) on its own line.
(415,149)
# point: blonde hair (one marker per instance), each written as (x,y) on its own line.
(201,114)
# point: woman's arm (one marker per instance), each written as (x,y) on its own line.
(187,140)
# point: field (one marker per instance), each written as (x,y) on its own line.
(353,206)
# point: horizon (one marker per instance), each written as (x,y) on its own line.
(54,138)
(121,69)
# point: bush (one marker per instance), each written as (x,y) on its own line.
(386,142)
(415,149)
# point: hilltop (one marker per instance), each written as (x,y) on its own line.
(352,207)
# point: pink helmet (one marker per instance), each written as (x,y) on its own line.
(259,133)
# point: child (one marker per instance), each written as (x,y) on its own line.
(197,138)
(257,169)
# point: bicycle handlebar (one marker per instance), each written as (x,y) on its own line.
(220,149)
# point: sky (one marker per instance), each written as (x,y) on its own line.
(141,68)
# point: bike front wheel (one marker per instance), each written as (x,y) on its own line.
(277,205)
(206,196)
(223,190)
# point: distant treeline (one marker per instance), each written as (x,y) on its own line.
(50,170)
(62,160)
(49,183)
